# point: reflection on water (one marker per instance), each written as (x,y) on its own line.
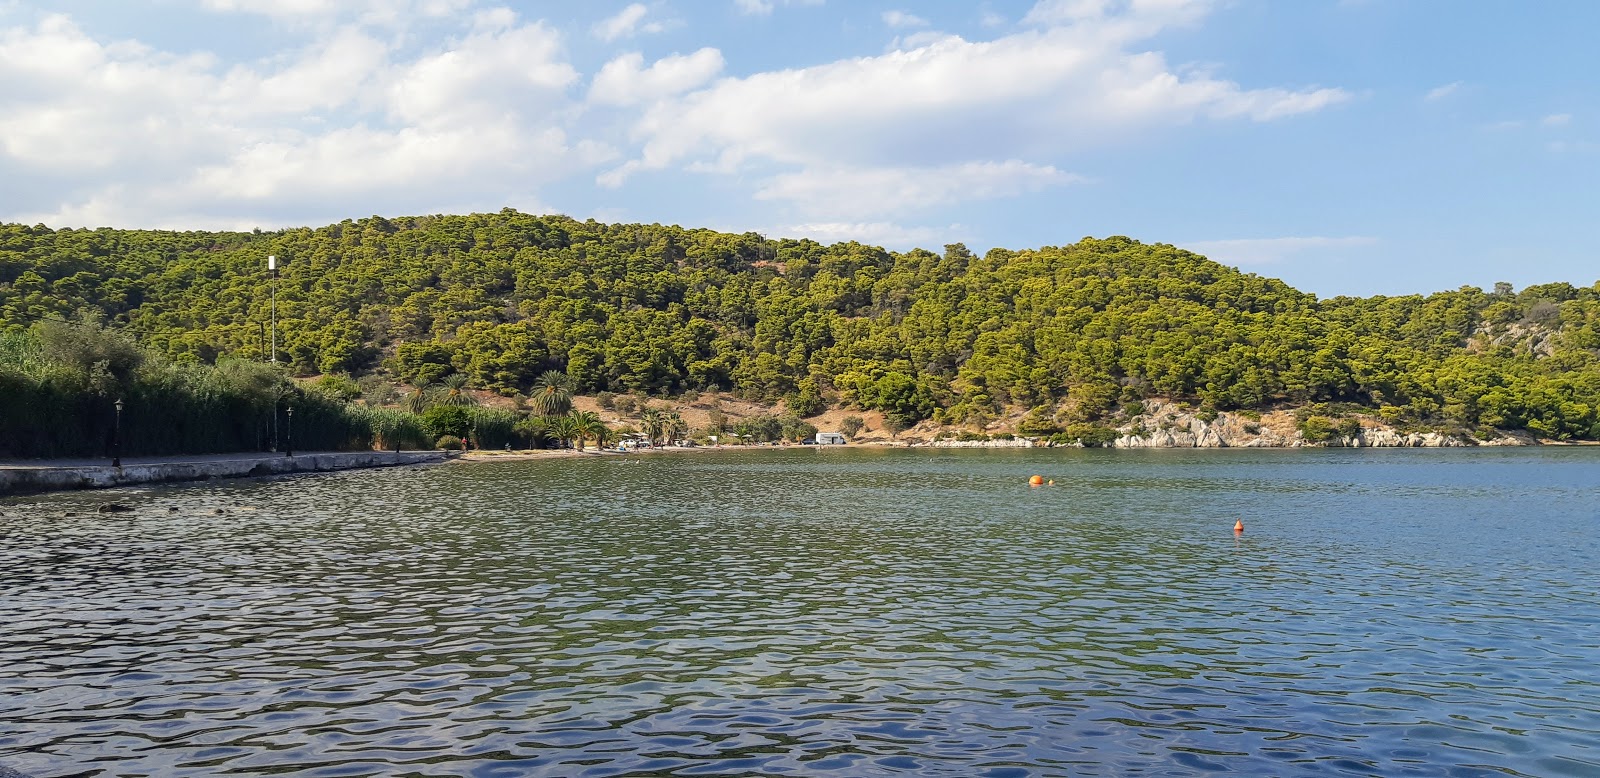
(854,613)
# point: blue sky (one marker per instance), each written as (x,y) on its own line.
(1346,146)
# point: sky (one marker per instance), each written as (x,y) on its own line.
(1345,146)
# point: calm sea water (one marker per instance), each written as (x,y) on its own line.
(819,612)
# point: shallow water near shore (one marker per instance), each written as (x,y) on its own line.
(819,612)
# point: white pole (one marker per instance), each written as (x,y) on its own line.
(272,265)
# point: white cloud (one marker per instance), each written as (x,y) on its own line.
(482,77)
(871,191)
(1040,94)
(1572,147)
(1556,120)
(1441,92)
(416,106)
(118,133)
(764,7)
(387,12)
(1265,251)
(626,24)
(625,80)
(903,19)
(1161,13)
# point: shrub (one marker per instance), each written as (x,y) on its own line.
(339,386)
(607,400)
(377,391)
(447,442)
(796,429)
(492,428)
(394,430)
(452,420)
(532,432)
(761,428)
(1318,429)
(1090,435)
(851,425)
(1039,421)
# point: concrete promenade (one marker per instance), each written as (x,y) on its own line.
(34,476)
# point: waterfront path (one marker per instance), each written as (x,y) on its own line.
(23,476)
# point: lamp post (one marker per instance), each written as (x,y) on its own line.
(288,438)
(272,266)
(116,437)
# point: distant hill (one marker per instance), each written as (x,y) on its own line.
(1073,334)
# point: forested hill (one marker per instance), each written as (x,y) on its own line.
(1073,332)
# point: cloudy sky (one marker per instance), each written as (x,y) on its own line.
(1347,146)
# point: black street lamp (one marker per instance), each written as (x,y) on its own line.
(116,437)
(288,438)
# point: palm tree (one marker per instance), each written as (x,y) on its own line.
(417,399)
(602,435)
(587,424)
(564,428)
(552,394)
(455,391)
(673,426)
(653,422)
(536,430)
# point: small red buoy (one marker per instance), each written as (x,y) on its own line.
(1238,526)
(1037,480)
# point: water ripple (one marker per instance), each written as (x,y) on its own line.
(857,613)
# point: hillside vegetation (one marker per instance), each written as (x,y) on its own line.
(1062,336)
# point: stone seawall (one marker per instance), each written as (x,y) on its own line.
(31,480)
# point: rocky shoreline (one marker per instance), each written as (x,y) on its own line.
(1167,425)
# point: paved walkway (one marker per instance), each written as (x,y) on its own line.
(183,459)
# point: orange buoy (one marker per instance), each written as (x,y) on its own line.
(1238,526)
(1037,480)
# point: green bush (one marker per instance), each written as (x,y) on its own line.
(393,430)
(797,429)
(533,432)
(52,404)
(442,420)
(448,443)
(493,428)
(851,425)
(1319,429)
(339,386)
(1090,435)
(760,428)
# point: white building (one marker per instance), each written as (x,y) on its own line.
(830,438)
